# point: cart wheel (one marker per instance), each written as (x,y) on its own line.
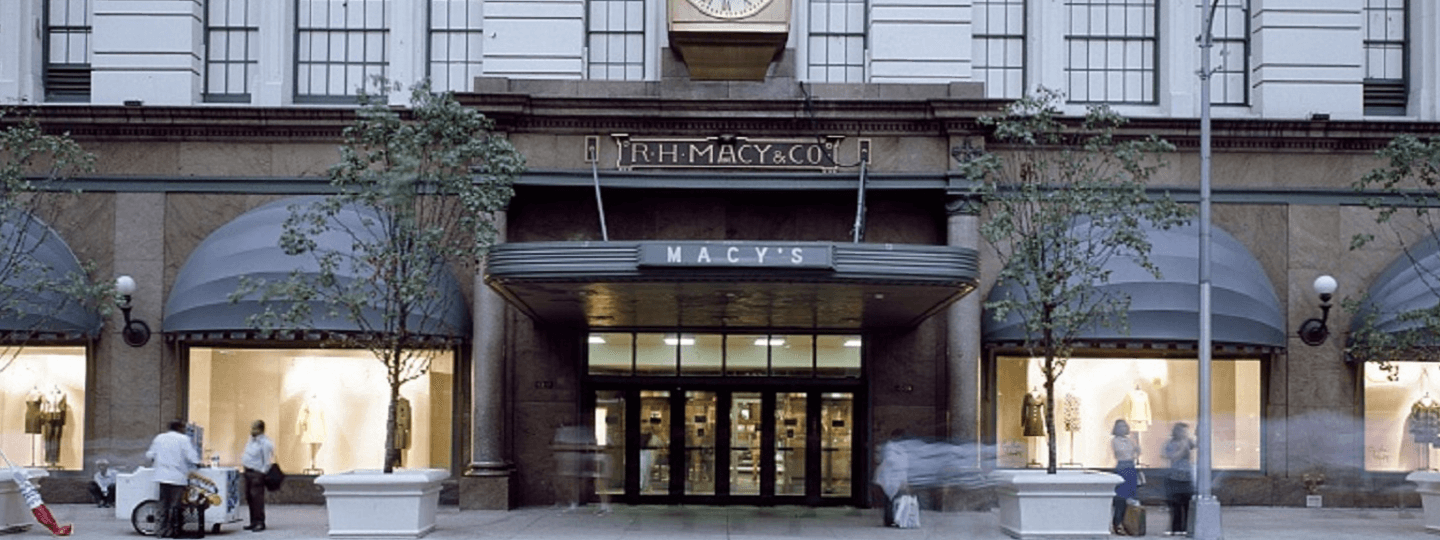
(215,529)
(146,517)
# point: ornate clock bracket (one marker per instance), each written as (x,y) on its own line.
(733,40)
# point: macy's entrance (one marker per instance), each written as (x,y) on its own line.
(745,432)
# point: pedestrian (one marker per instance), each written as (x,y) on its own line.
(1180,483)
(1126,452)
(173,455)
(102,484)
(258,455)
(892,474)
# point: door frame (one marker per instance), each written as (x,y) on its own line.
(769,388)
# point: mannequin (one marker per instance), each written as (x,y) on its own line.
(1424,425)
(1138,409)
(52,424)
(32,420)
(1032,423)
(310,424)
(402,428)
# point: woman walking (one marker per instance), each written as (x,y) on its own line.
(1126,452)
(1180,484)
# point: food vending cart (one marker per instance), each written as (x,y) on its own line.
(137,497)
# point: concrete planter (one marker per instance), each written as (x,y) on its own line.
(371,504)
(1069,504)
(1428,486)
(14,513)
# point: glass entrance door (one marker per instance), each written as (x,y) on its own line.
(720,446)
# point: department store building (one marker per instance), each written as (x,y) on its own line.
(741,255)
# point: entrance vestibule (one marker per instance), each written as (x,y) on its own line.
(766,419)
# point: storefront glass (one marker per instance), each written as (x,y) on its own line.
(654,442)
(1402,416)
(836,423)
(610,437)
(325,409)
(790,443)
(42,407)
(729,355)
(1151,394)
(745,443)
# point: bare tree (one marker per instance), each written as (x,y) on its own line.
(415,192)
(1064,200)
(38,289)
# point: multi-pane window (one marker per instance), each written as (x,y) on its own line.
(232,49)
(615,41)
(339,46)
(1000,47)
(456,37)
(1386,49)
(1229,56)
(67,50)
(1111,51)
(836,43)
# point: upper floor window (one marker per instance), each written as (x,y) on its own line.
(1111,51)
(835,47)
(232,49)
(339,46)
(615,40)
(456,38)
(999,53)
(1386,56)
(67,50)
(1229,58)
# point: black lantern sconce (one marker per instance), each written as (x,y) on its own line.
(1313,331)
(135,332)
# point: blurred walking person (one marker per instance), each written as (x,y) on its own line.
(1180,483)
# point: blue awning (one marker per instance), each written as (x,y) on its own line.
(43,258)
(250,246)
(1244,307)
(1408,284)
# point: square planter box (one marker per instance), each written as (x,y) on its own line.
(371,504)
(1068,504)
(1428,486)
(14,513)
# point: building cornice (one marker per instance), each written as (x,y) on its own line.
(866,116)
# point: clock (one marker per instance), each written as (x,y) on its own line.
(729,9)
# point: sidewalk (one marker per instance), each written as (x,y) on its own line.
(751,523)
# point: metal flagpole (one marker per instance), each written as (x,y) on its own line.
(1204,508)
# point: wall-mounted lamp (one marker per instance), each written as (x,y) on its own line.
(136,332)
(1313,331)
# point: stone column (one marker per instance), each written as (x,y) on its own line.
(488,483)
(150,55)
(963,328)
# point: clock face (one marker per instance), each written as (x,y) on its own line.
(729,9)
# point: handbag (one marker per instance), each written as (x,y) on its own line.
(907,512)
(1139,478)
(274,477)
(1134,520)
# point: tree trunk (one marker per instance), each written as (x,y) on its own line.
(1050,375)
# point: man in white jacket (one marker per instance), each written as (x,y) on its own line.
(173,456)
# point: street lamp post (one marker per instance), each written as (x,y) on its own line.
(1204,507)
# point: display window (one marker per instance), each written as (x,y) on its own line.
(728,355)
(42,407)
(1151,394)
(325,409)
(1402,416)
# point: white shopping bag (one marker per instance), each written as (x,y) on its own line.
(907,512)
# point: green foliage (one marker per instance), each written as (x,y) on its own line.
(415,195)
(1063,201)
(34,168)
(1403,192)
